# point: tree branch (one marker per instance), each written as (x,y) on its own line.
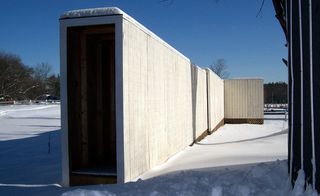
(279,7)
(260,10)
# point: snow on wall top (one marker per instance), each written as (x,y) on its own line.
(104,11)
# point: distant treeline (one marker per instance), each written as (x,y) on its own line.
(276,92)
(21,82)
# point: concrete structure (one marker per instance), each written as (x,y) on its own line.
(216,102)
(199,103)
(129,100)
(157,95)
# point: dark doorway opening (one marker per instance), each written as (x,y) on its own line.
(91,104)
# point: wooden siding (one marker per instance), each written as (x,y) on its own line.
(243,99)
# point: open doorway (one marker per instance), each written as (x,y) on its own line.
(91,104)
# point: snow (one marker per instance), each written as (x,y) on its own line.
(235,160)
(104,11)
(26,167)
(232,144)
(16,125)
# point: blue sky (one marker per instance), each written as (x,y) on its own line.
(203,30)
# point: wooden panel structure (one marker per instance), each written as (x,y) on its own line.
(243,101)
(91,100)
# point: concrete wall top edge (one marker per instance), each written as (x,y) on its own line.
(149,32)
(108,12)
(245,79)
(199,68)
(91,21)
(91,12)
(213,73)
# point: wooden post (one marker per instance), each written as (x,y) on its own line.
(84,102)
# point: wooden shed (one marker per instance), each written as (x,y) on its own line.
(129,100)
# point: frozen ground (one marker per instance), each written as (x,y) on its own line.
(228,162)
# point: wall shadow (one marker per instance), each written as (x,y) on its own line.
(285,131)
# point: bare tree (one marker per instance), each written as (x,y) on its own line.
(54,85)
(15,78)
(19,82)
(220,68)
(41,76)
(41,71)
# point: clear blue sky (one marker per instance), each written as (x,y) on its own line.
(203,30)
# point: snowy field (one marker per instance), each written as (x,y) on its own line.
(235,160)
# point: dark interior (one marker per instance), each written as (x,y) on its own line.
(91,100)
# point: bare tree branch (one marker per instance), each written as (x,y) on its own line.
(260,10)
(220,68)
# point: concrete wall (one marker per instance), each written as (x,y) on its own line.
(215,99)
(163,103)
(199,102)
(157,90)
(243,99)
(168,102)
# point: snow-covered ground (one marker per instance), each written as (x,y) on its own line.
(235,160)
(26,165)
(231,145)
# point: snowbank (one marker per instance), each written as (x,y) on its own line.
(260,179)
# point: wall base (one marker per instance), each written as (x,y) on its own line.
(203,135)
(82,179)
(243,120)
(220,124)
(208,132)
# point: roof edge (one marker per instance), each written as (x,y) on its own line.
(91,12)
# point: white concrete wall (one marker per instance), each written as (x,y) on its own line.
(243,98)
(199,102)
(162,102)
(215,87)
(157,101)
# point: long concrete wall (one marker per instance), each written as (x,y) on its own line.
(163,102)
(243,100)
(157,87)
(169,103)
(215,86)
